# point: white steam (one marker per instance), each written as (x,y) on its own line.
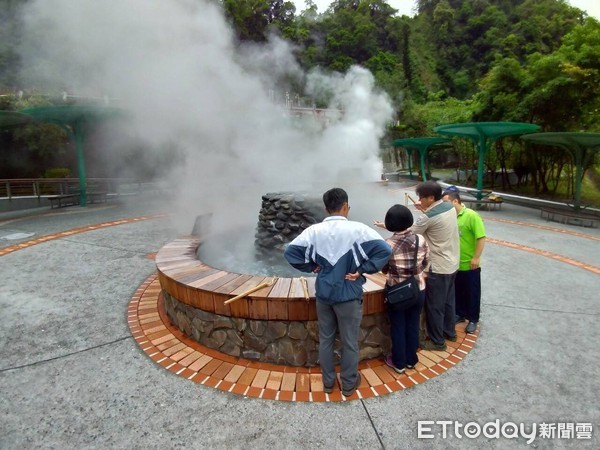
(173,64)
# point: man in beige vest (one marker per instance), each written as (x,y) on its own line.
(438,225)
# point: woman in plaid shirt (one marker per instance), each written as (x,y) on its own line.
(404,325)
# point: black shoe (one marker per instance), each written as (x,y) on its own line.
(388,361)
(430,345)
(328,389)
(410,366)
(349,392)
(459,319)
(450,338)
(471,327)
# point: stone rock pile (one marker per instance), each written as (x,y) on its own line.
(282,217)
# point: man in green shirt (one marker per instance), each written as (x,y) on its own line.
(468,278)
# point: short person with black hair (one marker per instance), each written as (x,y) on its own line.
(404,324)
(340,251)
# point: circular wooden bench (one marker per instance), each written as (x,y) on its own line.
(196,294)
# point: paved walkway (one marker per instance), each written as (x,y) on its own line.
(73,376)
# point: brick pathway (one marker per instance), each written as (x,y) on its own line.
(170,348)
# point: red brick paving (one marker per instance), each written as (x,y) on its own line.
(193,361)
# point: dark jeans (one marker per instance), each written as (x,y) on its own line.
(439,306)
(404,331)
(468,294)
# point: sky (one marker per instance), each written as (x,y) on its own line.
(406,6)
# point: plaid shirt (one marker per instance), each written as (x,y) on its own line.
(400,265)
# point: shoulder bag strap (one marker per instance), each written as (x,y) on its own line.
(416,252)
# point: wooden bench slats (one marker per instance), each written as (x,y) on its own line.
(311,287)
(252,282)
(208,278)
(202,273)
(370,285)
(207,288)
(281,288)
(264,292)
(378,278)
(185,271)
(296,289)
(220,281)
(228,288)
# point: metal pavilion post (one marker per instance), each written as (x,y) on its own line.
(410,153)
(78,135)
(74,118)
(422,152)
(480,166)
(422,145)
(579,161)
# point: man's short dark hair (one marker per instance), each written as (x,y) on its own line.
(452,196)
(428,189)
(334,199)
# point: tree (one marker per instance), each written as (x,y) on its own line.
(529,93)
(251,18)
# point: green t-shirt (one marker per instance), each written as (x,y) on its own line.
(470,229)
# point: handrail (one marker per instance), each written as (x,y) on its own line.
(522,200)
(42,187)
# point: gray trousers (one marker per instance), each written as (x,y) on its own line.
(346,317)
(439,306)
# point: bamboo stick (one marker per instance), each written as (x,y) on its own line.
(251,290)
(305,288)
(411,199)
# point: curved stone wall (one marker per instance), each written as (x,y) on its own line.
(289,342)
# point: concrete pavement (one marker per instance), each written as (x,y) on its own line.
(71,375)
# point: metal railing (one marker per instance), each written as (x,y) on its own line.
(43,187)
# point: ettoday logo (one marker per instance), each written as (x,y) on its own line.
(428,429)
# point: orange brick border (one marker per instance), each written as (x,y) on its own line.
(168,346)
(60,234)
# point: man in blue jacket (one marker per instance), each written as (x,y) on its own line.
(340,252)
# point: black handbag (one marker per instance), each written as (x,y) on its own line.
(403,295)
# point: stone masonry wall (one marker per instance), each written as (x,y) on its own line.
(293,343)
(282,217)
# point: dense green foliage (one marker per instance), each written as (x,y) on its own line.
(455,61)
(470,60)
(512,58)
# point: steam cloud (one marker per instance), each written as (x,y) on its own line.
(173,64)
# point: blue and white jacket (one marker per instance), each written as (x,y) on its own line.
(338,246)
